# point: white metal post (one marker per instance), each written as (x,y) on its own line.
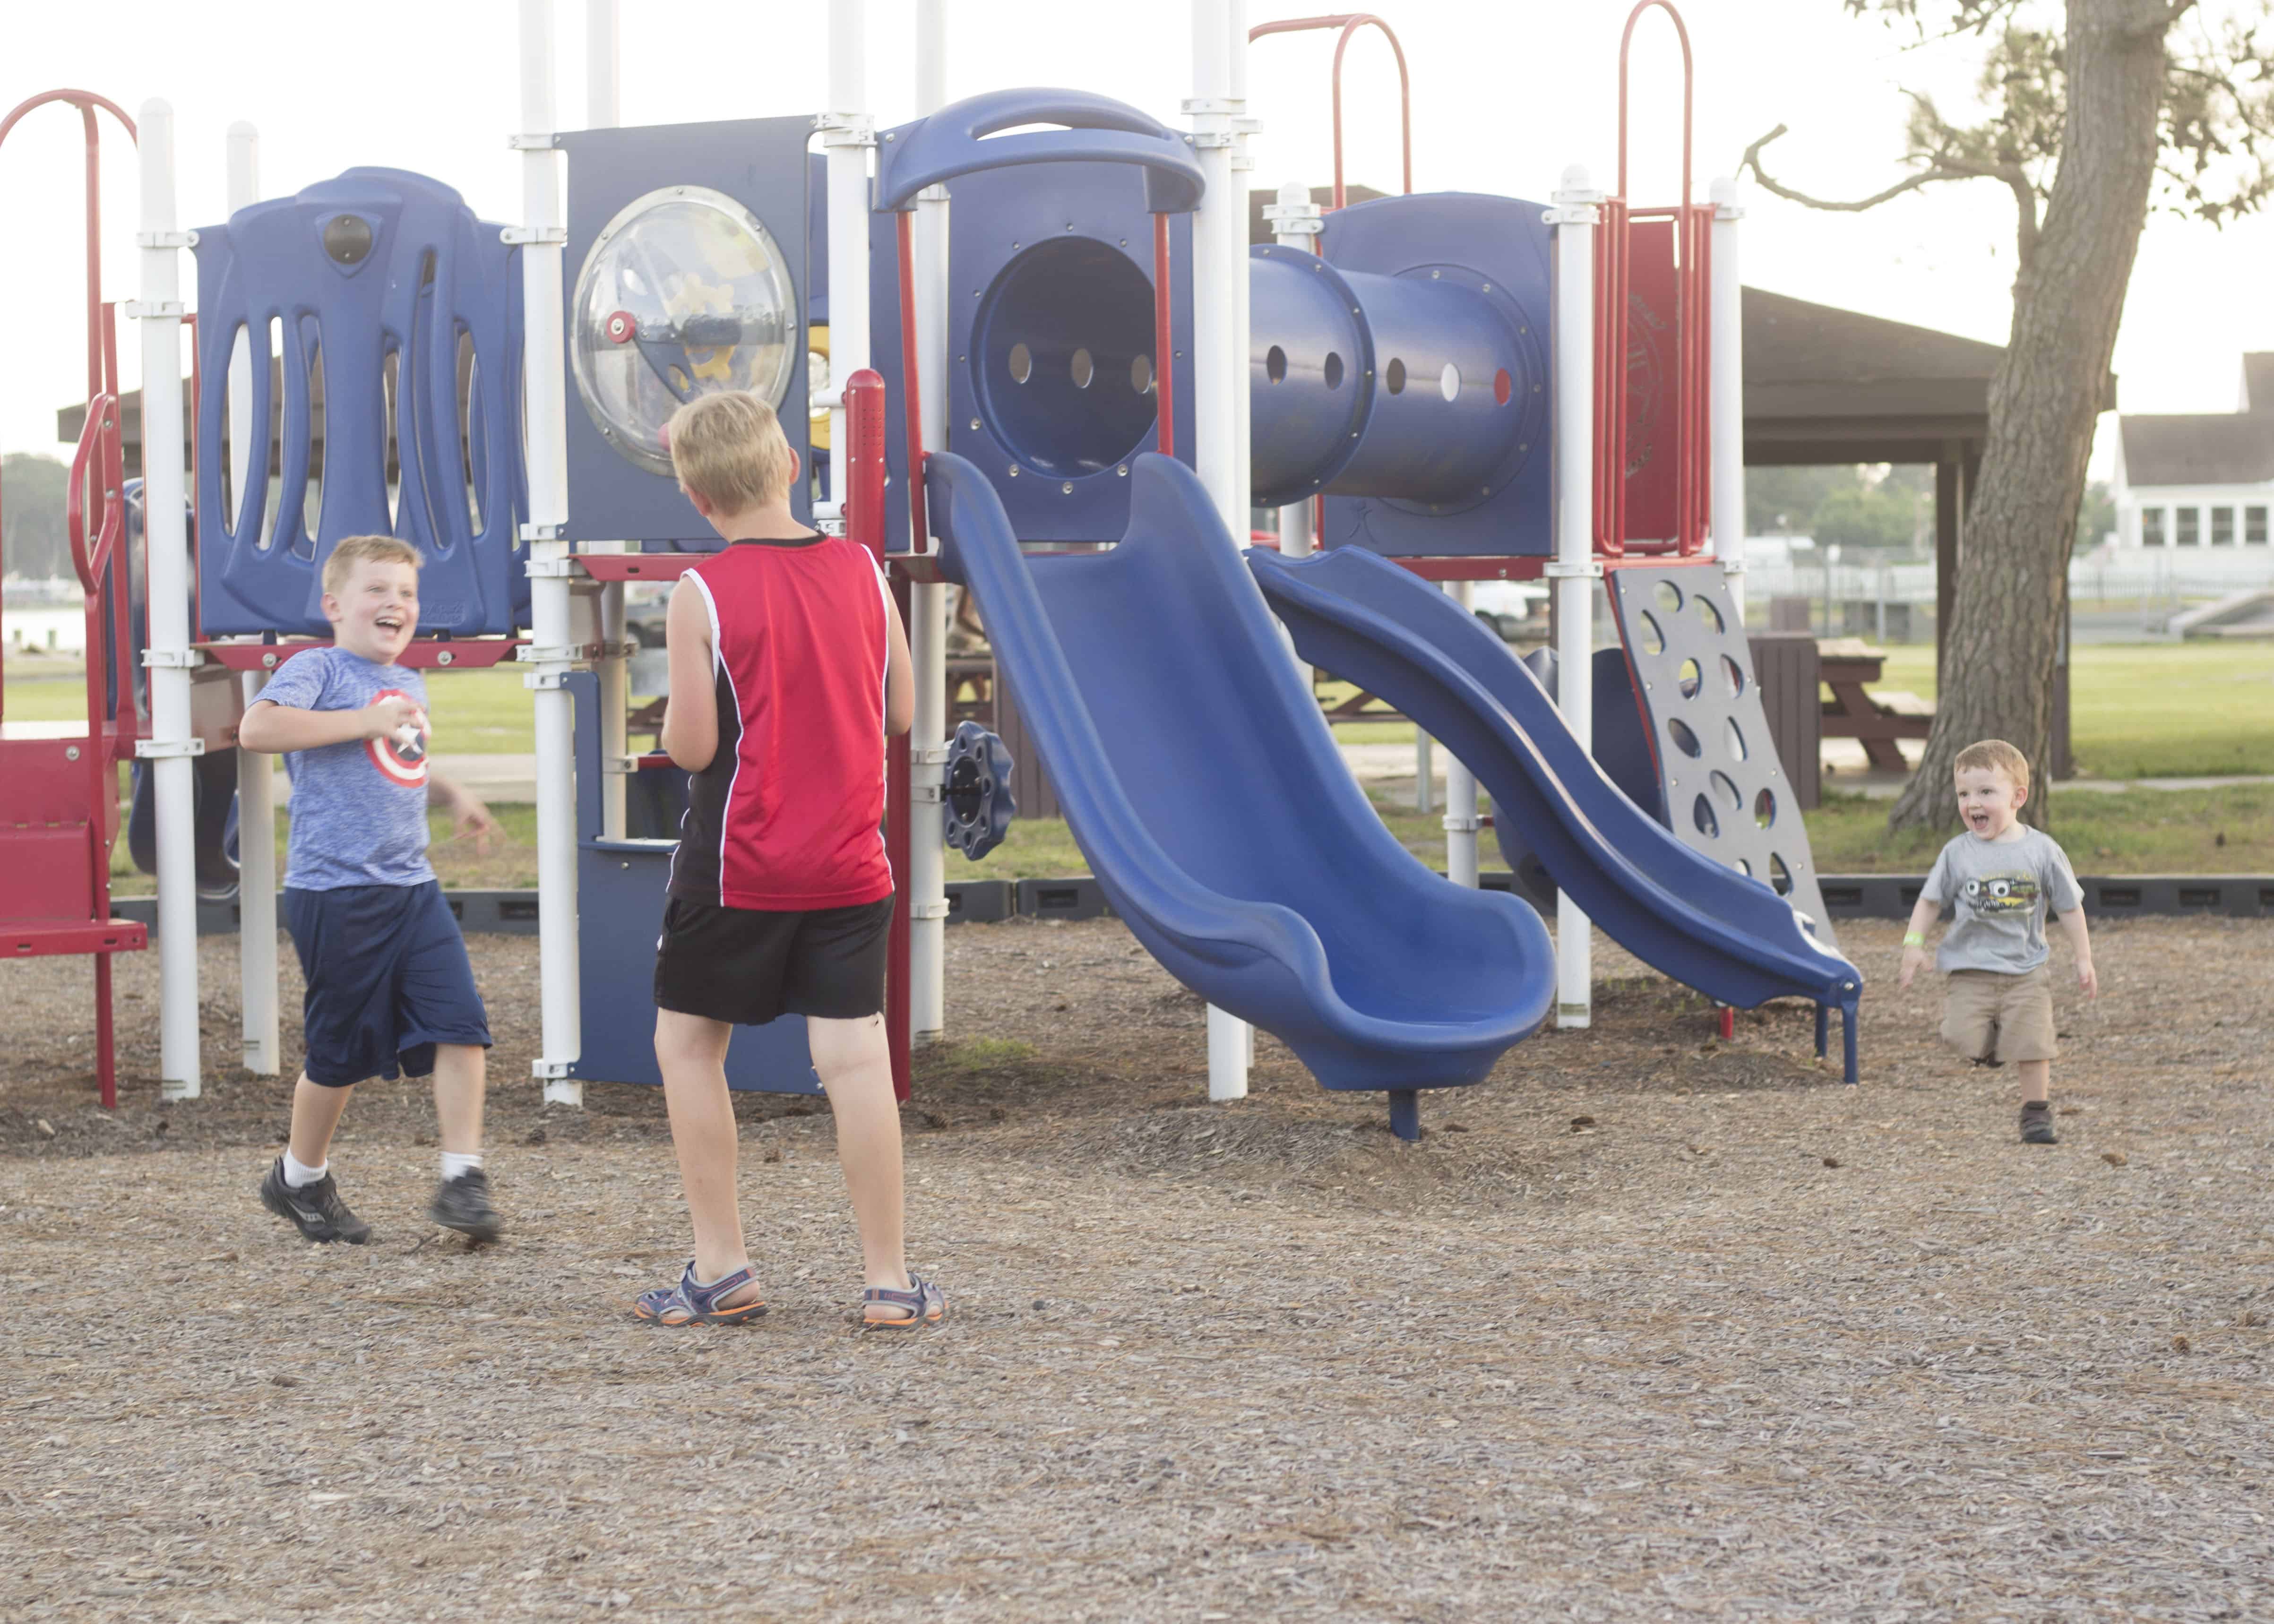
(603,59)
(543,241)
(169,657)
(1461,819)
(1218,367)
(256,772)
(927,878)
(602,55)
(848,133)
(1726,392)
(1241,166)
(1295,223)
(1574,570)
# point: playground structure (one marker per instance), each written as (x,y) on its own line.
(1462,387)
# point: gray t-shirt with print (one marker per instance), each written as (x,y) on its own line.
(358,808)
(2000,891)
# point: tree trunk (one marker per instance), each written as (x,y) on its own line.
(2045,399)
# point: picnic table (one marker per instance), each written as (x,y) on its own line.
(1849,666)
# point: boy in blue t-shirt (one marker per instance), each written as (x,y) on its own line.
(389,990)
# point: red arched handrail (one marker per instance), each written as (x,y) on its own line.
(86,101)
(97,383)
(1349,23)
(1689,80)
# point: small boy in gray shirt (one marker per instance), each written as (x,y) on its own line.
(1999,878)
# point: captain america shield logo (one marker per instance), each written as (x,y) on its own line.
(401,756)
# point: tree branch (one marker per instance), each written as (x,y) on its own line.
(2156,16)
(1912,182)
(1942,166)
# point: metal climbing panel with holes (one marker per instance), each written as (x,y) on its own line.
(1724,790)
(381,323)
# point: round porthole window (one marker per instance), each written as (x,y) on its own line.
(684,293)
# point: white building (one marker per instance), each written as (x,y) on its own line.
(2194,491)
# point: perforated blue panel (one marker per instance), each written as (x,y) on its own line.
(1054,263)
(1725,792)
(762,165)
(377,264)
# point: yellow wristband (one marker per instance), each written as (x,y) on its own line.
(1913,938)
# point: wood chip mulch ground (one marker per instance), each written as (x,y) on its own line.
(1648,1326)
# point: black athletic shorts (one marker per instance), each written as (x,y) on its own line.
(747,966)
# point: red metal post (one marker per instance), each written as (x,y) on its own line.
(864,460)
(1165,367)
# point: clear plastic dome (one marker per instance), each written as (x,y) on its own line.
(684,294)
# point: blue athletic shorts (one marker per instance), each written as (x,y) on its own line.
(388,979)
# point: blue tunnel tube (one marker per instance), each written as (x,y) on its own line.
(1360,385)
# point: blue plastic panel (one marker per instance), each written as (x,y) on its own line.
(762,164)
(1156,688)
(1370,622)
(619,897)
(378,263)
(1494,251)
(968,136)
(1056,261)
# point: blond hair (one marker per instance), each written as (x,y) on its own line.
(354,550)
(728,448)
(1997,756)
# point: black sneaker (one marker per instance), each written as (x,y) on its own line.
(315,1210)
(464,1203)
(2038,1123)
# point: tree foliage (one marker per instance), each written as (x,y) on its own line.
(33,546)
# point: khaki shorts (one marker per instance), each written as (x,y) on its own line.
(1991,1015)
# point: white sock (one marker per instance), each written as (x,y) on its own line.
(457,1166)
(298,1175)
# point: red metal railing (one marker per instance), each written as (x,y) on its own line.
(88,103)
(1689,229)
(1349,23)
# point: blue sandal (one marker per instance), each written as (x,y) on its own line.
(921,1303)
(691,1302)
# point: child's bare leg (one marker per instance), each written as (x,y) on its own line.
(461,1074)
(316,1112)
(692,1052)
(2037,1077)
(856,1069)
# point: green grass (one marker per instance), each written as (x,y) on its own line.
(2140,710)
(510,864)
(476,713)
(2224,830)
(2149,711)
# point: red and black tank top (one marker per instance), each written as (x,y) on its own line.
(788,813)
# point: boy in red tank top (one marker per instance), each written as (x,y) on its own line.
(789,667)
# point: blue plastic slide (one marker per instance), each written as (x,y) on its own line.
(1709,927)
(1201,783)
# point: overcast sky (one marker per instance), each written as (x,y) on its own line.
(1506,94)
